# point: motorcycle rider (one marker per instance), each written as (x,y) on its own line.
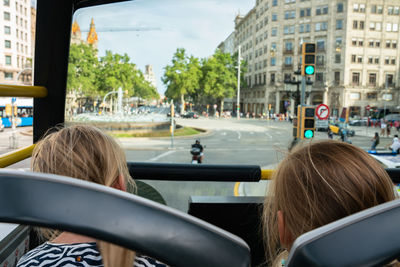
(197,150)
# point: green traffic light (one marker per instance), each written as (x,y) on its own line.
(309,134)
(309,70)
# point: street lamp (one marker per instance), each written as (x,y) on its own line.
(238,86)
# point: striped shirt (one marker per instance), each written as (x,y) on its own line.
(71,255)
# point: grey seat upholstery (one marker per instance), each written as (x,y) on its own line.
(168,235)
(368,238)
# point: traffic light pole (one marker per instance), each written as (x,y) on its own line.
(303,90)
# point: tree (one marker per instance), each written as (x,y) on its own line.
(182,77)
(82,69)
(219,79)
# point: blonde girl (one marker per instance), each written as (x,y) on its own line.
(86,153)
(317,184)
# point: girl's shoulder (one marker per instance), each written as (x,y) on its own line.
(49,254)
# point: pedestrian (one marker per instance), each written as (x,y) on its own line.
(330,133)
(397,125)
(375,141)
(388,129)
(383,127)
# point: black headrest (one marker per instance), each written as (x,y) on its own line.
(108,214)
(368,238)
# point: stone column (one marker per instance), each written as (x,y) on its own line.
(277,101)
(325,96)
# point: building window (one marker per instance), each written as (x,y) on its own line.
(353,58)
(321,26)
(394,44)
(6,2)
(320,60)
(360,42)
(274,31)
(389,79)
(355,7)
(356,78)
(339,24)
(7,43)
(355,24)
(390,10)
(393,61)
(377,43)
(322,10)
(319,77)
(337,58)
(371,43)
(372,79)
(339,7)
(8,60)
(354,41)
(359,59)
(337,77)
(288,46)
(362,8)
(361,25)
(321,45)
(305,12)
(288,29)
(387,60)
(373,9)
(288,61)
(388,44)
(6,15)
(372,96)
(290,14)
(304,28)
(274,17)
(370,60)
(376,60)
(272,78)
(273,61)
(8,76)
(274,2)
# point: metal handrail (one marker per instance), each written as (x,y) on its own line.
(10,158)
(23,91)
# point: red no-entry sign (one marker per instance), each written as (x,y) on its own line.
(322,111)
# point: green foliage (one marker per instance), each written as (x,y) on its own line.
(206,80)
(183,76)
(95,77)
(82,69)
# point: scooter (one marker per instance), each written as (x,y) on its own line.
(196,155)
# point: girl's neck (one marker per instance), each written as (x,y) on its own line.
(71,238)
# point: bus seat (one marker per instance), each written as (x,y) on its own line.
(367,238)
(238,215)
(158,231)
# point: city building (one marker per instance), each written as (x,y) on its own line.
(150,76)
(357,59)
(76,34)
(16,42)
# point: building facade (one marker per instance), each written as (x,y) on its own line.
(150,76)
(357,59)
(15,42)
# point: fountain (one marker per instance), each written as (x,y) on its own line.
(143,119)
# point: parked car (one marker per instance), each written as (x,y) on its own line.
(337,127)
(358,122)
(190,115)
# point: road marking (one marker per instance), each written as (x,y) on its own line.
(236,189)
(239,134)
(251,132)
(224,133)
(162,155)
(269,136)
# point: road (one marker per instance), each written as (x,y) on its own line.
(227,141)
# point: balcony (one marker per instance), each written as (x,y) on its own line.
(288,52)
(287,66)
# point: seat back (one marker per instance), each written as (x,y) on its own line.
(367,238)
(73,205)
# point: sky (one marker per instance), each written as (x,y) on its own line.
(156,28)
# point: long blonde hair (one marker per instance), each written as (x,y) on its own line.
(319,183)
(86,153)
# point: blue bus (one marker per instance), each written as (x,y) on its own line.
(24,111)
